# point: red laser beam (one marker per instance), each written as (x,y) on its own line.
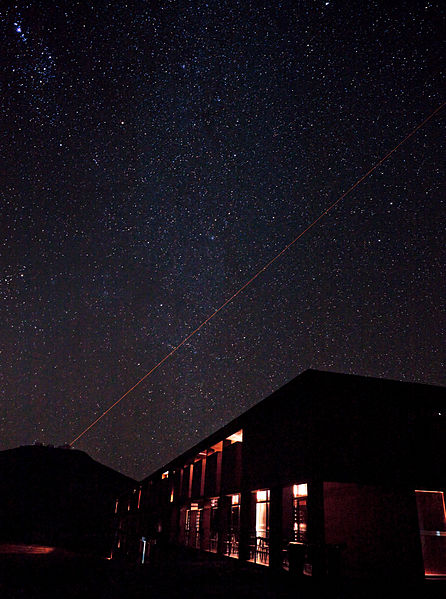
(259,272)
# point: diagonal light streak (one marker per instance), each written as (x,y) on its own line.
(259,272)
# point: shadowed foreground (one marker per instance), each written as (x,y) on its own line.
(38,572)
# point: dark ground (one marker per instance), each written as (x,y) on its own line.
(33,572)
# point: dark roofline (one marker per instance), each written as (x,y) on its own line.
(318,376)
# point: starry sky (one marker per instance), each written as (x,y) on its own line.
(156,155)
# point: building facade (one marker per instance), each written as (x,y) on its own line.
(331,474)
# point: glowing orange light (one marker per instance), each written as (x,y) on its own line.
(165,475)
(236,437)
(263,495)
(235,499)
(139,499)
(300,490)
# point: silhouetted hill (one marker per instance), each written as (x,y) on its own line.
(58,497)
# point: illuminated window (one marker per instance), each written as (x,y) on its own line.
(259,544)
(139,499)
(300,490)
(432,523)
(187,527)
(232,535)
(198,529)
(171,495)
(262,496)
(213,526)
(299,532)
(165,475)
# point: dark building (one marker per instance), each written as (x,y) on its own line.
(350,470)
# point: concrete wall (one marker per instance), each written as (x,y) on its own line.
(378,528)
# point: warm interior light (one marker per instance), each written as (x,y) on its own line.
(235,499)
(165,474)
(139,499)
(236,437)
(300,490)
(263,495)
(171,496)
(217,447)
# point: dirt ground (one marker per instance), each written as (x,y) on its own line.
(34,572)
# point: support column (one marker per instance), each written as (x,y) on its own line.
(223,524)
(316,528)
(245,524)
(275,528)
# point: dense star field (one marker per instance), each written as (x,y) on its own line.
(156,155)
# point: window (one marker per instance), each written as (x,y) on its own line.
(198,528)
(232,537)
(187,527)
(259,545)
(432,522)
(300,513)
(213,526)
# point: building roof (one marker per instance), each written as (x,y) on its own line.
(336,416)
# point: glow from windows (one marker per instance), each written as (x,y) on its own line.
(235,499)
(217,447)
(300,490)
(165,475)
(236,437)
(262,495)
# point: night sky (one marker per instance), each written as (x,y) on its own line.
(156,155)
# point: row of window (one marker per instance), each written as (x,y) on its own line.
(212,471)
(202,525)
